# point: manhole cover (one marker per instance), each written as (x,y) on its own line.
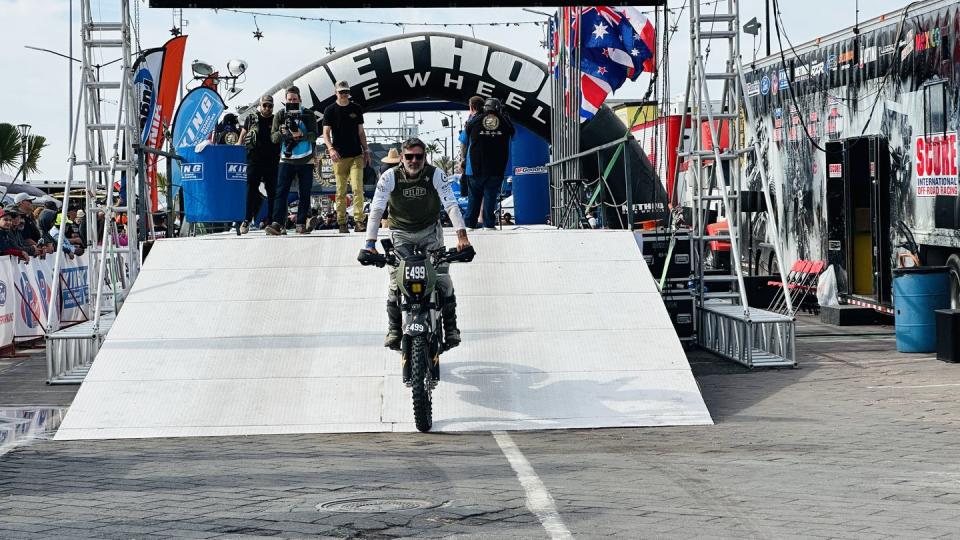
(372,504)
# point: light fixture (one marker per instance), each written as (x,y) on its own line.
(201,69)
(237,67)
(24,130)
(444,122)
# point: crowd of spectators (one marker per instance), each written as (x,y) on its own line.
(30,227)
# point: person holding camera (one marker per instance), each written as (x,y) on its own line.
(295,129)
(347,143)
(263,159)
(488,133)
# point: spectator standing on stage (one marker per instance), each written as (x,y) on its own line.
(263,159)
(488,135)
(295,129)
(347,144)
(466,171)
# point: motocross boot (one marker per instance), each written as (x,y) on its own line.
(394,322)
(451,334)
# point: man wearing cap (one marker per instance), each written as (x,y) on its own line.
(347,144)
(24,203)
(297,148)
(263,159)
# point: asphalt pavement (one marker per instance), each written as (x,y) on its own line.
(858,442)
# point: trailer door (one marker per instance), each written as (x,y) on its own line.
(837,214)
(880,214)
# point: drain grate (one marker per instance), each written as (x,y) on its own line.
(375,504)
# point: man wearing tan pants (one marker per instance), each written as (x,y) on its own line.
(347,144)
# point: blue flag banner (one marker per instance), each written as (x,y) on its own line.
(213,181)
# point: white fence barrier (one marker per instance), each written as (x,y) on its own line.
(25,295)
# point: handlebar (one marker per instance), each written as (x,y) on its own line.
(439,256)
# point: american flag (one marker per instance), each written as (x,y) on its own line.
(616,43)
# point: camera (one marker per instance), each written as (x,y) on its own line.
(291,123)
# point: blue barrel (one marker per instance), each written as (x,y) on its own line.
(917,294)
(529,154)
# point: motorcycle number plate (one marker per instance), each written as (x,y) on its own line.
(415,273)
(416,327)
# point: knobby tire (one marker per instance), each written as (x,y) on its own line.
(419,371)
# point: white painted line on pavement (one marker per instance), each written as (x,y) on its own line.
(539,500)
(918,386)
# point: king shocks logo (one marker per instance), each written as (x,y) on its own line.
(235,171)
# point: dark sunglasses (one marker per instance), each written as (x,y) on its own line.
(267,105)
(343,91)
(413,157)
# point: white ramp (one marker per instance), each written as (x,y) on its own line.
(258,335)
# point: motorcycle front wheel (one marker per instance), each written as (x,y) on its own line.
(419,374)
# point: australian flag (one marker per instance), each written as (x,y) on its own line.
(616,44)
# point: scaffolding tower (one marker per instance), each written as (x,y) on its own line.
(727,325)
(110,160)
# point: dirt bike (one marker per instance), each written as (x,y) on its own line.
(421,304)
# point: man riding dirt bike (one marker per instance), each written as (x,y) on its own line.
(414,192)
(420,283)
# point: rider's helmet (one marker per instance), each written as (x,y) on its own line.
(492,105)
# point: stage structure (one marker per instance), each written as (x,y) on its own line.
(727,325)
(109,161)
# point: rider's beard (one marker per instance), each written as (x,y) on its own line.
(413,169)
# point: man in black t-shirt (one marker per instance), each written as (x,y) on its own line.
(263,157)
(347,143)
(489,134)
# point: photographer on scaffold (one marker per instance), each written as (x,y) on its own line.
(295,129)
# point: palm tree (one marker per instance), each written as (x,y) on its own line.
(9,146)
(432,149)
(444,163)
(11,150)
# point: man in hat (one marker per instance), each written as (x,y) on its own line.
(24,203)
(263,159)
(295,129)
(347,144)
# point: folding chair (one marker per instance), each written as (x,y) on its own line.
(779,298)
(812,279)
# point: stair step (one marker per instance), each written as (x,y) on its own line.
(720,76)
(105,27)
(104,85)
(721,278)
(718,34)
(712,237)
(720,295)
(104,43)
(717,17)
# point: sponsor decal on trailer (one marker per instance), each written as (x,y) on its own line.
(936,165)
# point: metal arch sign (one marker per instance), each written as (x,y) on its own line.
(429,65)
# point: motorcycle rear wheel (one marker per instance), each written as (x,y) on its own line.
(422,401)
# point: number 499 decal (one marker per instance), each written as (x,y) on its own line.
(415,272)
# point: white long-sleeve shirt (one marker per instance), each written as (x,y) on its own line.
(386,185)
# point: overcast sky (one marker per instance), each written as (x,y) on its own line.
(34,88)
